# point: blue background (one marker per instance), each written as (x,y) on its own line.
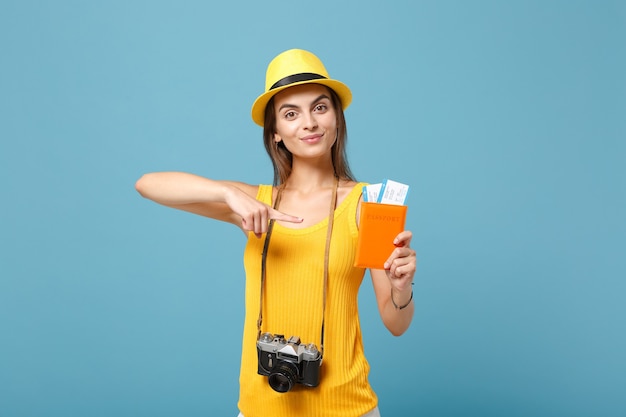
(506,118)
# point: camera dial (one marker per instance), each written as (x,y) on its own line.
(310,348)
(267,337)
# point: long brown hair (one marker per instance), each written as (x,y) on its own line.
(282,159)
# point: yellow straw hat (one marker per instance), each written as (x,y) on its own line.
(295,67)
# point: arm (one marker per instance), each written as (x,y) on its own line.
(228,201)
(396,280)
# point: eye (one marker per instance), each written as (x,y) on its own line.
(290,115)
(321,108)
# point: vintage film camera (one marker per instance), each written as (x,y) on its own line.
(286,362)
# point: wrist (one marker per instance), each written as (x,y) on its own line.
(402,299)
(228,193)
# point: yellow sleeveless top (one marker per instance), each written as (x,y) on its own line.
(292,306)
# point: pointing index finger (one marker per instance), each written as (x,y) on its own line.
(277,215)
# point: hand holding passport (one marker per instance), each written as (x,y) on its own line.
(383,216)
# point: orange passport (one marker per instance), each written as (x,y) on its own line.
(379,224)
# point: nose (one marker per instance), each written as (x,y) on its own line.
(310,122)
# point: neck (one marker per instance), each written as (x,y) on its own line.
(307,177)
(310,182)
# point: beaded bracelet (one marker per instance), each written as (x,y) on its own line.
(407,303)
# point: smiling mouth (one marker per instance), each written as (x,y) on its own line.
(311,138)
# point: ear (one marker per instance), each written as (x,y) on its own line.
(277,138)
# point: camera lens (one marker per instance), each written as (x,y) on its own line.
(283,377)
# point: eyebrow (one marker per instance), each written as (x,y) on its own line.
(293,106)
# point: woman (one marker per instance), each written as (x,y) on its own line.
(302,234)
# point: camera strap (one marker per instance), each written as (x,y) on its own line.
(331,218)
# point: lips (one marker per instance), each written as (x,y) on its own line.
(311,138)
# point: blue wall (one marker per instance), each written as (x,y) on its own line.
(507,119)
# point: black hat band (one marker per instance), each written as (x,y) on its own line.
(296,78)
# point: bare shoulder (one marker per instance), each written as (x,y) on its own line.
(344,188)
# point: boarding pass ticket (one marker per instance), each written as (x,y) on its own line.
(387,192)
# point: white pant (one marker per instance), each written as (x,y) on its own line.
(374,413)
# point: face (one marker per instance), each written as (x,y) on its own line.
(306,121)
